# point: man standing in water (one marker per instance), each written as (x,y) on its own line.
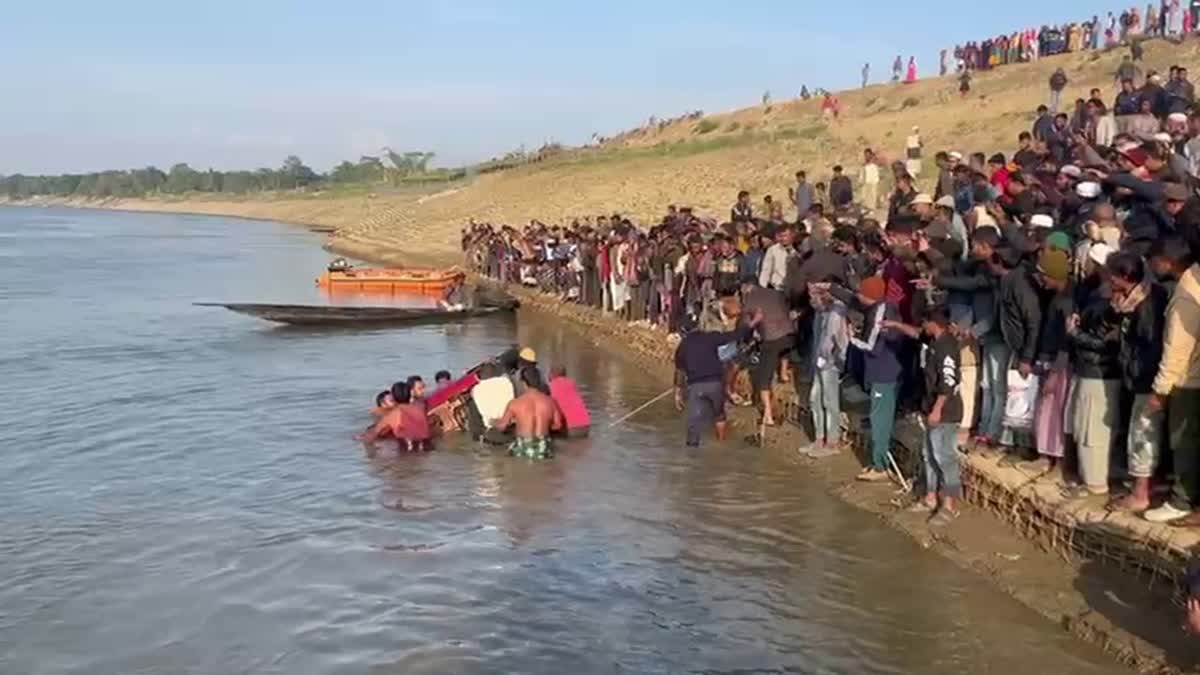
(700,373)
(535,416)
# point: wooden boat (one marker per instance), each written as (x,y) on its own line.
(390,280)
(325,315)
(448,406)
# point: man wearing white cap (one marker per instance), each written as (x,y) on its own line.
(958,229)
(1177,123)
(912,149)
(922,207)
(1088,189)
(1067,177)
(1041,221)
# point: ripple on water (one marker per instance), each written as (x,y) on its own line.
(181,495)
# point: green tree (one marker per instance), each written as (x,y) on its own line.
(295,174)
(181,178)
(148,180)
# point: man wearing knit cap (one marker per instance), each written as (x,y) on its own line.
(1059,241)
(1053,274)
(1054,266)
(882,368)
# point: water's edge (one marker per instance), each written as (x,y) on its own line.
(1057,585)
(1061,587)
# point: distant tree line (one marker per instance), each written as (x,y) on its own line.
(394,169)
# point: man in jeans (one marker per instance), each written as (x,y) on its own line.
(1177,388)
(942,406)
(831,335)
(700,372)
(881,371)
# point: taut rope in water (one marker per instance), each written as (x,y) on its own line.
(642,407)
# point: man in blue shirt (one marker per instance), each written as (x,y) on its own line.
(700,373)
(802,195)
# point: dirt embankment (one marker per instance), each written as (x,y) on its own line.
(703,162)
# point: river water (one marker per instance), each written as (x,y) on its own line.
(181,494)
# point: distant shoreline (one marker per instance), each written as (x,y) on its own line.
(192,207)
(332,217)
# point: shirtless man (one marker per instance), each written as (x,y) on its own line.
(383,404)
(535,416)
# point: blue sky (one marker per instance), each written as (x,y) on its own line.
(96,85)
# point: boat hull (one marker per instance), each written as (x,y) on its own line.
(323,315)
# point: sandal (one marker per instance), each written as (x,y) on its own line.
(920,507)
(944,517)
(1080,492)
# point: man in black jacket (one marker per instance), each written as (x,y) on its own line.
(1152,208)
(1141,308)
(1043,126)
(742,211)
(700,373)
(1019,312)
(1128,102)
(1094,339)
(841,190)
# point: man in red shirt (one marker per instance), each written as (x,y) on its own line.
(577,421)
(1000,174)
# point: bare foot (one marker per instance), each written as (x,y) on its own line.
(1129,503)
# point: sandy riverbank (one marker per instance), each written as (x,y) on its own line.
(685,162)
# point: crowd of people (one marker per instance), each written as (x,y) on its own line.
(505,401)
(1167,19)
(1043,304)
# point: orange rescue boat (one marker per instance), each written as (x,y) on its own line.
(389,280)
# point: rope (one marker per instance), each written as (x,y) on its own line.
(642,407)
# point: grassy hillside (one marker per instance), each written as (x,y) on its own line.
(704,162)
